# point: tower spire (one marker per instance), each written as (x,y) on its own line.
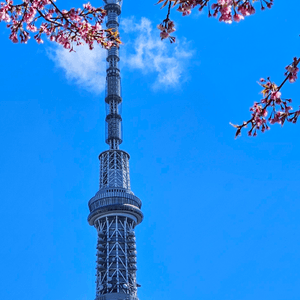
(113,97)
(115,210)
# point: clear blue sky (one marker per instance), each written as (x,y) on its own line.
(221,215)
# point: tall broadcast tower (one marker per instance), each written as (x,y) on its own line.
(115,210)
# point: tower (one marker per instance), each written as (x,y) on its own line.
(115,210)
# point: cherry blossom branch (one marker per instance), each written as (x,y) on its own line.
(227,10)
(167,26)
(272,108)
(66,27)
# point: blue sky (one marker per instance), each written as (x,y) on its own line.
(221,215)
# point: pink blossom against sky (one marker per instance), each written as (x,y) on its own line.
(221,215)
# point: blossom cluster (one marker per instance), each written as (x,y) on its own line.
(66,27)
(226,10)
(166,28)
(273,108)
(292,71)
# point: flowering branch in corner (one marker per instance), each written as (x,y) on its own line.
(227,11)
(66,27)
(272,108)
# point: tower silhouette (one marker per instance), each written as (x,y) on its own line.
(115,210)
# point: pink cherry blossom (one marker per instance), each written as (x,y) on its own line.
(272,108)
(227,11)
(167,27)
(238,17)
(66,27)
(164,35)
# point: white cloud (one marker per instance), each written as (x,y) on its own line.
(147,53)
(85,67)
(142,50)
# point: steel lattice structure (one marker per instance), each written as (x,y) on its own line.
(115,210)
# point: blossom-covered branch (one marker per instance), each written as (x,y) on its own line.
(66,27)
(273,108)
(226,10)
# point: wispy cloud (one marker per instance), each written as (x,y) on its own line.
(143,51)
(84,67)
(147,53)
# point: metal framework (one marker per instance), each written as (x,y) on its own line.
(116,256)
(114,169)
(115,210)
